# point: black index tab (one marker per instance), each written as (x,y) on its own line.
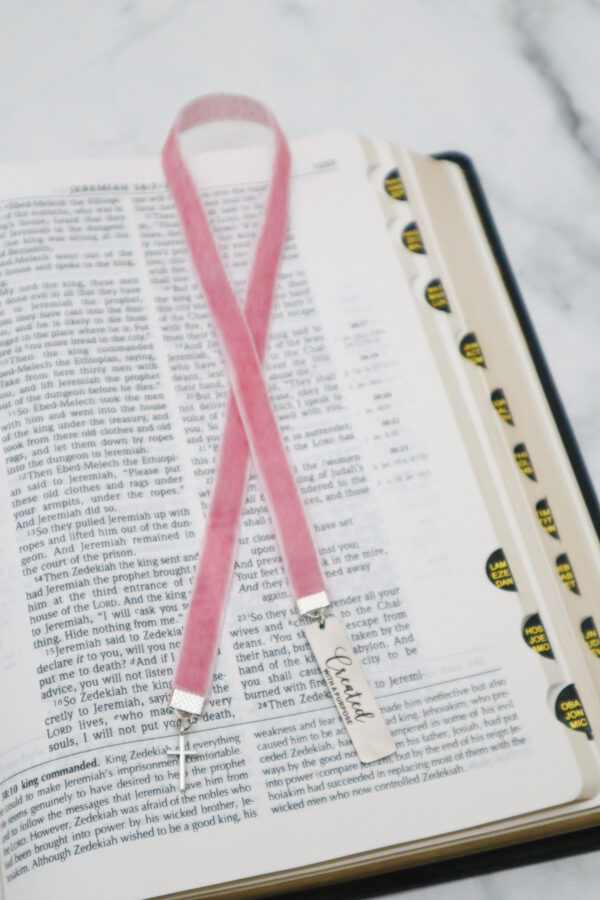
(569,710)
(436,295)
(535,636)
(546,518)
(501,406)
(524,461)
(411,238)
(471,349)
(567,575)
(394,185)
(498,571)
(590,635)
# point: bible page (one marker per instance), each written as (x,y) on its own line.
(112,394)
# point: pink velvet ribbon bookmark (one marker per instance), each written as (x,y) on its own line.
(250,420)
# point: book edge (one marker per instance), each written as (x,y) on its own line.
(557,408)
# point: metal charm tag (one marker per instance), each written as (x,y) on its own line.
(349,688)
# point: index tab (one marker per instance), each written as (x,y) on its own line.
(590,635)
(498,571)
(569,710)
(524,461)
(471,349)
(394,185)
(436,295)
(501,406)
(567,575)
(546,518)
(535,636)
(411,238)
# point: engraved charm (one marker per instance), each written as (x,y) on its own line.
(350,690)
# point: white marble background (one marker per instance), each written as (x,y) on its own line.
(513,84)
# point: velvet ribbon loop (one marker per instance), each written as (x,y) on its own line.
(250,423)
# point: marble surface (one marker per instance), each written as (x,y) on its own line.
(513,84)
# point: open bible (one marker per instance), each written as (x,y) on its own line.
(455,523)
